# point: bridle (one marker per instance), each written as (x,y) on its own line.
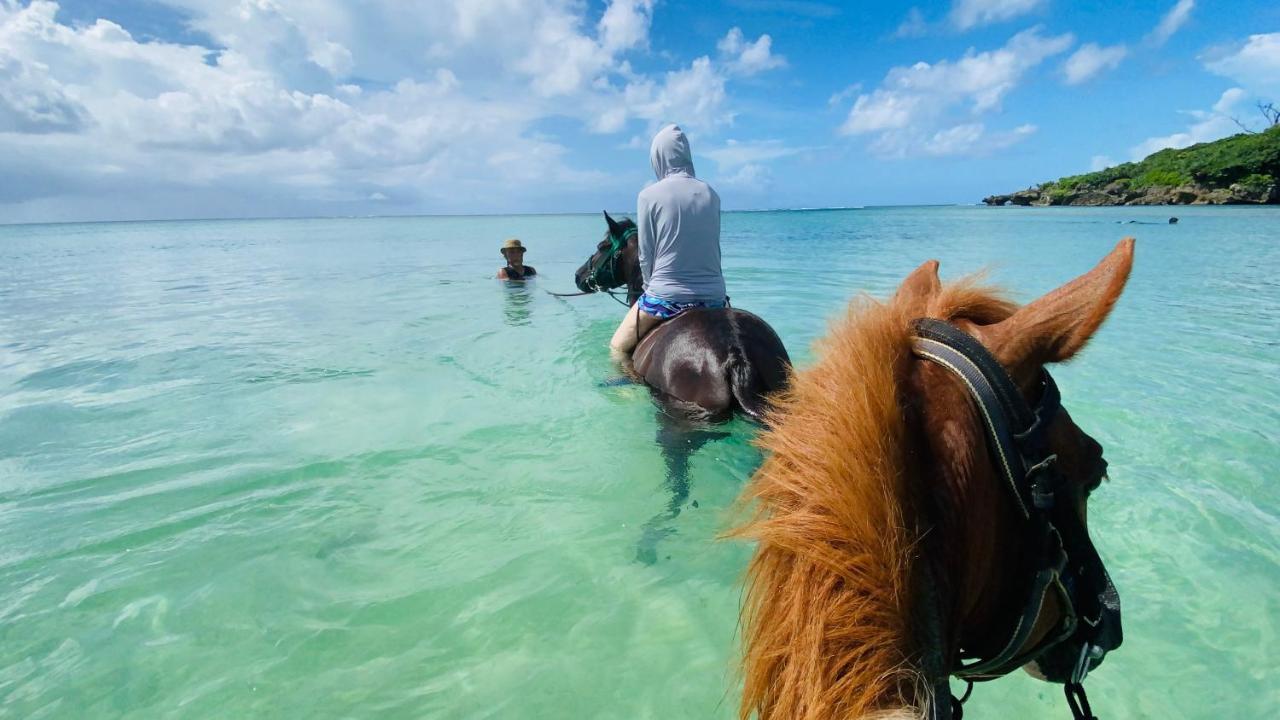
(604,274)
(1063,560)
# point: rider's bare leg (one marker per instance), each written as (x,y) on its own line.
(634,326)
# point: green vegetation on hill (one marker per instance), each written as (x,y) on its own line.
(1243,168)
(1212,164)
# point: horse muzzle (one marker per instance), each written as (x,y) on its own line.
(580,277)
(1075,657)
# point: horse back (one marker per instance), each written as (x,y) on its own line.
(709,360)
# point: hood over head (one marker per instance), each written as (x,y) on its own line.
(670,154)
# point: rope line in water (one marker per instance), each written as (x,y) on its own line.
(610,293)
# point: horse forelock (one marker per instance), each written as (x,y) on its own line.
(970,299)
(827,617)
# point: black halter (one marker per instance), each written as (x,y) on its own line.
(605,275)
(1064,561)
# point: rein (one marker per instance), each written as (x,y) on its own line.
(610,293)
(1064,560)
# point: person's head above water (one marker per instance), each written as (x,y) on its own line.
(513,251)
(669,153)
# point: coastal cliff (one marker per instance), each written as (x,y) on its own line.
(1239,170)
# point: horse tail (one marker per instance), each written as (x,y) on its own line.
(748,386)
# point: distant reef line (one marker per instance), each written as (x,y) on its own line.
(1243,169)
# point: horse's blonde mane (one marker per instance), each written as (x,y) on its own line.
(826,619)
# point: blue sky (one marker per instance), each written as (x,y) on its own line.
(233,108)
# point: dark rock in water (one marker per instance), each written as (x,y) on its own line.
(695,503)
(1022,198)
(1173,221)
(1025,197)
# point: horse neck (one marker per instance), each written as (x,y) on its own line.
(829,623)
(631,272)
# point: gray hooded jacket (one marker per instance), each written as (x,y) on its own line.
(678,225)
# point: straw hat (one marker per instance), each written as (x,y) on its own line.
(511,244)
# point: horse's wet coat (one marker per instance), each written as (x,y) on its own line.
(704,363)
(709,362)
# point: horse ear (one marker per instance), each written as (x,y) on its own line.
(613,224)
(1057,326)
(920,285)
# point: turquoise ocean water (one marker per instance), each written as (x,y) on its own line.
(330,468)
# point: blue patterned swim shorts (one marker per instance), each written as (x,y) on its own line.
(666,309)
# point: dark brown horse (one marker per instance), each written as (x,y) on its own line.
(704,363)
(922,510)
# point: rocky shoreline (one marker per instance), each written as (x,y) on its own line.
(1120,193)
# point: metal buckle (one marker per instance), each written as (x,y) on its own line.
(1042,486)
(1088,652)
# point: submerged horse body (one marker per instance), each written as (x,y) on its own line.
(921,511)
(705,363)
(701,365)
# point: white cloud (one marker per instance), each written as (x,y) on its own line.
(966,14)
(1171,22)
(1255,64)
(751,178)
(625,24)
(1100,162)
(33,102)
(1209,125)
(1090,60)
(912,112)
(972,139)
(883,110)
(694,95)
(748,58)
(845,94)
(913,25)
(736,153)
(298,103)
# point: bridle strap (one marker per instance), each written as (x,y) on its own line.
(1017,437)
(1007,396)
(617,245)
(991,387)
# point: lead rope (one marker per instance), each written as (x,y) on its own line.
(957,703)
(1079,702)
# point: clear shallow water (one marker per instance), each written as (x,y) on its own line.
(329,468)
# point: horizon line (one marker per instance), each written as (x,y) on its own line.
(459,215)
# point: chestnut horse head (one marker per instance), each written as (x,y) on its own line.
(895,546)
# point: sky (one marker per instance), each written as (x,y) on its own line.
(163,109)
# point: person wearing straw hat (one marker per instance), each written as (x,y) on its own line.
(513,251)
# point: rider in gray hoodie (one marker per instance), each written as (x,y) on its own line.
(678,229)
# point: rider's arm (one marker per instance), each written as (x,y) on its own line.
(644,235)
(715,202)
